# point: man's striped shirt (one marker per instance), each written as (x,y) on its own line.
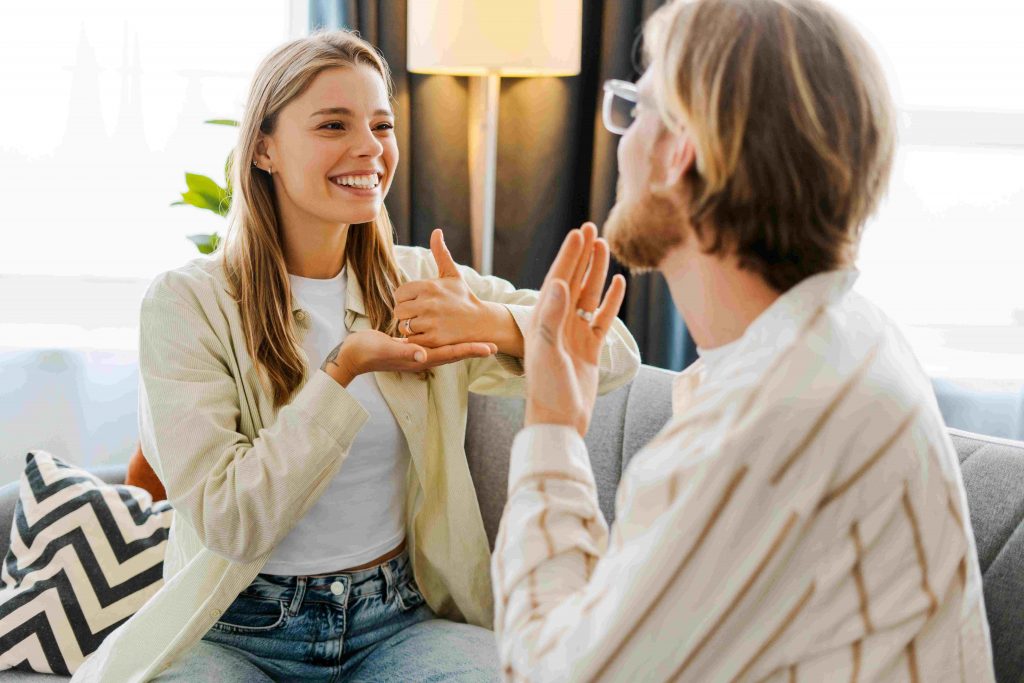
(801,518)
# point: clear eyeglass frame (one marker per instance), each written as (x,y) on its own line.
(618,111)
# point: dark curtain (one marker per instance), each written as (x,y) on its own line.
(556,162)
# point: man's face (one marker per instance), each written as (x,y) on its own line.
(649,217)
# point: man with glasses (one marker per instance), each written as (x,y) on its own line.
(801,517)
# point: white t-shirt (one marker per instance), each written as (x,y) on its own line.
(361,515)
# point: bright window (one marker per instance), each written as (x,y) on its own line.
(943,255)
(104,103)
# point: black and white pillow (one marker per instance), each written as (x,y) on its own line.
(85,555)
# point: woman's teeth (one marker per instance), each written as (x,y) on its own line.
(363,181)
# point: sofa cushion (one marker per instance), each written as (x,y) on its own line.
(993,473)
(84,556)
(10,492)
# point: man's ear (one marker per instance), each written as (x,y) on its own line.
(678,154)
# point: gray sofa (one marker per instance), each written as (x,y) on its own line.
(626,419)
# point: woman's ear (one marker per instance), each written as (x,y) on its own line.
(264,153)
(677,155)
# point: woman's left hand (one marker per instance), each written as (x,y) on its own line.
(445,310)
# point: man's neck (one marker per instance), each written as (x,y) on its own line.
(716,298)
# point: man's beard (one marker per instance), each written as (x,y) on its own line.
(641,232)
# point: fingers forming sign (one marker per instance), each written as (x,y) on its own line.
(563,345)
(442,310)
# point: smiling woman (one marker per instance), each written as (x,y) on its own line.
(306,447)
(330,126)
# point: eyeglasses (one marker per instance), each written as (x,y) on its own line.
(619,109)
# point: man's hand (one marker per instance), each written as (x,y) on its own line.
(562,348)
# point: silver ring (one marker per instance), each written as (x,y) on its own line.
(408,327)
(586,315)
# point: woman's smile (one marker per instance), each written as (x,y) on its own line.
(359,183)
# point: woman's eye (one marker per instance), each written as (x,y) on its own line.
(333,125)
(386,126)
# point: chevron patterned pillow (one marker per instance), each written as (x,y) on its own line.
(85,555)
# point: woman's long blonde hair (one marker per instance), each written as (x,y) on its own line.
(253,256)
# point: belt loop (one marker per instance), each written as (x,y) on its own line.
(300,592)
(390,586)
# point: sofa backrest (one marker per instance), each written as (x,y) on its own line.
(623,422)
(626,419)
(993,472)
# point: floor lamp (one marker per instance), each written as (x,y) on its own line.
(488,39)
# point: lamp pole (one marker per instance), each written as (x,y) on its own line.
(483,165)
(485,40)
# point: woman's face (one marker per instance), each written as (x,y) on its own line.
(333,150)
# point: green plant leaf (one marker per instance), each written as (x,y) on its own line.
(206,244)
(206,194)
(197,200)
(222,122)
(227,173)
(178,204)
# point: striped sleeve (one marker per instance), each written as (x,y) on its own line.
(651,606)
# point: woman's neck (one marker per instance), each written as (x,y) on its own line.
(314,250)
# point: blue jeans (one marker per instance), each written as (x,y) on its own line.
(369,625)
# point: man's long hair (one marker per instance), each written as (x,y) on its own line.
(793,126)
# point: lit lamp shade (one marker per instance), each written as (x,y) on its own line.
(500,37)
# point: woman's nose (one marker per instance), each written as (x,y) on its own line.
(367,145)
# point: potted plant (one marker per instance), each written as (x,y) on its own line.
(205,193)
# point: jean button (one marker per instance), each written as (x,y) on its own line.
(337,588)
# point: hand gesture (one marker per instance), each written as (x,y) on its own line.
(444,310)
(374,351)
(567,331)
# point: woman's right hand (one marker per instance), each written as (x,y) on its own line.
(374,351)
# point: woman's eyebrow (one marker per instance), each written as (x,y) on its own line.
(344,111)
